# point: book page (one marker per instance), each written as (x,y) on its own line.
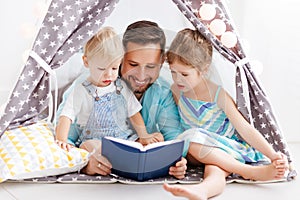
(139,146)
(133,144)
(159,144)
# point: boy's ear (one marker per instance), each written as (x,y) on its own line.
(85,61)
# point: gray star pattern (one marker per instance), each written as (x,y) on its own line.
(66,27)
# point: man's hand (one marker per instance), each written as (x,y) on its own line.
(97,164)
(179,169)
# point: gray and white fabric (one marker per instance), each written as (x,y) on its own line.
(65,29)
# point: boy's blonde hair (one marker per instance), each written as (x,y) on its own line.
(191,48)
(106,44)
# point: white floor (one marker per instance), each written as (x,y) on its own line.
(26,191)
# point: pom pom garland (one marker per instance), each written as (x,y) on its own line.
(217,27)
(207,12)
(229,39)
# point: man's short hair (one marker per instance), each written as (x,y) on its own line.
(144,32)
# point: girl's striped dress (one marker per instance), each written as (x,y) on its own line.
(205,123)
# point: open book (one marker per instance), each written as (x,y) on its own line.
(135,161)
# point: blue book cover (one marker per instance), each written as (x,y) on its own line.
(135,161)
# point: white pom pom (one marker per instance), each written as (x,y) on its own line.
(27,30)
(229,39)
(207,12)
(217,27)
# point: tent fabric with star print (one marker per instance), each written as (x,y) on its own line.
(69,24)
(65,28)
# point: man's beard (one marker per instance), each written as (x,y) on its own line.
(141,91)
(137,91)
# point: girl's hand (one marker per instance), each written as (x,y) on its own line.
(280,161)
(63,145)
(281,164)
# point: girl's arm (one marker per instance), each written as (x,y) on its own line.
(244,128)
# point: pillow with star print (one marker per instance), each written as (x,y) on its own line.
(31,151)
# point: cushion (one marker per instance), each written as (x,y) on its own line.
(194,174)
(31,151)
(46,179)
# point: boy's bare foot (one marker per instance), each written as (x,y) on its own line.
(192,192)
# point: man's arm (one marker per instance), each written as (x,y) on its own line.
(160,112)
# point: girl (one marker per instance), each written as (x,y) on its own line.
(102,103)
(216,133)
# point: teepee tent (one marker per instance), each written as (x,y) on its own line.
(251,100)
(69,24)
(66,27)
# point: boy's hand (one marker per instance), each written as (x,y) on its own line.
(151,138)
(146,140)
(63,145)
(158,137)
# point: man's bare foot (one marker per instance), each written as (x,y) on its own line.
(191,192)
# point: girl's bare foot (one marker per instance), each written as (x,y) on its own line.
(264,173)
(192,192)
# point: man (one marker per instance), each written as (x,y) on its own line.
(144,45)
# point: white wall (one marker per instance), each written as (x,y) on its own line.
(269,27)
(272,32)
(13,43)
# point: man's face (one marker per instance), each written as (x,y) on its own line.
(141,66)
